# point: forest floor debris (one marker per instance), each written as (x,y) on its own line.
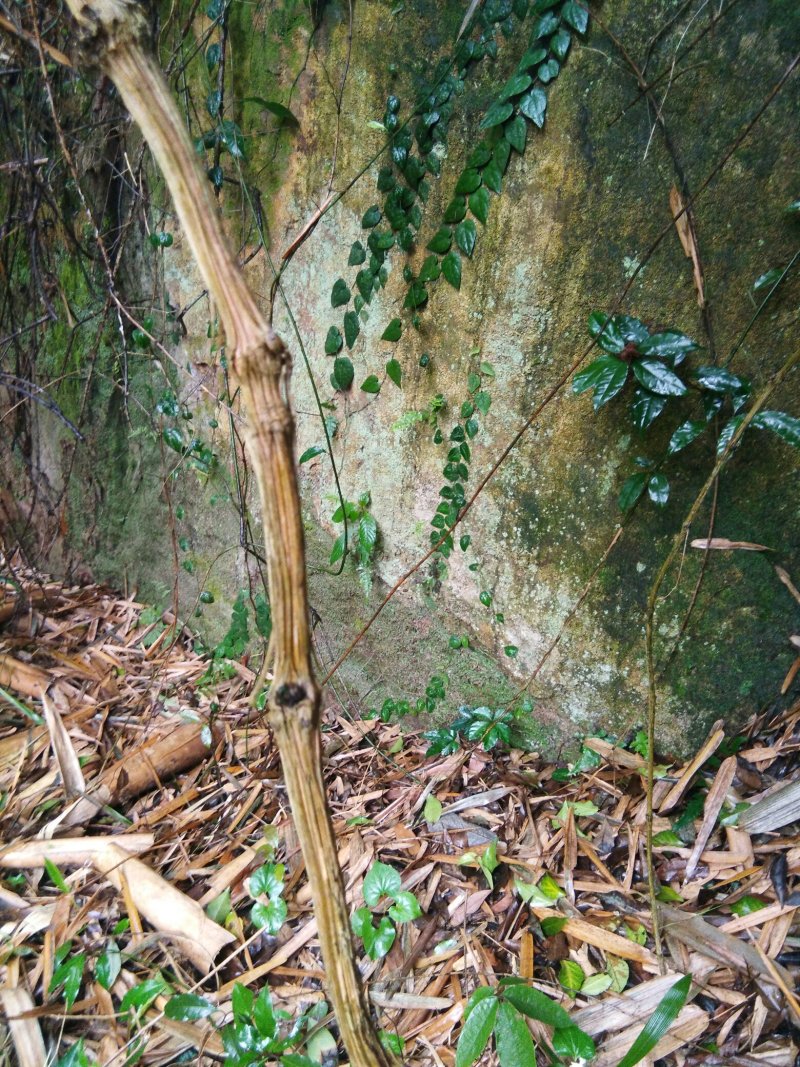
(149,869)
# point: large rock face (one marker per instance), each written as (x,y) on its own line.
(579,212)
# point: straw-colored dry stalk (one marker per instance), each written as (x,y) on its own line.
(114,34)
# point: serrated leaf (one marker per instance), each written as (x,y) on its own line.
(534,106)
(395,372)
(659,1022)
(188,1007)
(343,372)
(466,236)
(606,376)
(632,489)
(381,881)
(340,294)
(497,114)
(658,378)
(477,1029)
(371,385)
(512,1037)
(451,269)
(367,532)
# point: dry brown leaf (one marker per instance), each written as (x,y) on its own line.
(725,545)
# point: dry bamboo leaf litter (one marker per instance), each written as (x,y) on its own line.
(205,783)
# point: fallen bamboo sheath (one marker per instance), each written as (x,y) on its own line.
(773,811)
(74,851)
(114,32)
(24,1029)
(22,677)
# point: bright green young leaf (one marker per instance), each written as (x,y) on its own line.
(571,976)
(143,994)
(659,1022)
(497,114)
(746,906)
(432,811)
(451,269)
(658,378)
(395,372)
(108,966)
(188,1007)
(381,881)
(338,549)
(572,1044)
(371,385)
(531,894)
(69,973)
(632,489)
(512,1038)
(536,1005)
(74,1057)
(606,376)
(55,876)
(684,435)
(343,372)
(267,880)
(270,916)
(477,1028)
(406,907)
(552,925)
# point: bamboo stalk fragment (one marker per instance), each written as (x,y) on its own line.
(114,32)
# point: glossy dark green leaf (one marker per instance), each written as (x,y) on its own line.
(466,235)
(372,216)
(451,269)
(213,56)
(380,241)
(532,58)
(544,26)
(576,15)
(572,1044)
(232,137)
(497,114)
(659,1022)
(605,329)
(395,372)
(340,294)
(559,44)
(393,331)
(767,280)
(658,489)
(267,880)
(405,908)
(430,269)
(188,1007)
(479,204)
(357,254)
(343,372)
(333,341)
(417,295)
(174,438)
(479,156)
(477,1028)
(727,433)
(535,1005)
(456,209)
(515,85)
(108,966)
(469,181)
(787,427)
(684,435)
(632,489)
(69,973)
(718,380)
(658,378)
(144,993)
(512,1037)
(534,106)
(516,133)
(547,71)
(381,881)
(312,453)
(280,111)
(669,344)
(269,916)
(371,385)
(493,177)
(443,238)
(352,328)
(646,407)
(161,239)
(606,376)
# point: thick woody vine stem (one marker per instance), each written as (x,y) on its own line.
(115,33)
